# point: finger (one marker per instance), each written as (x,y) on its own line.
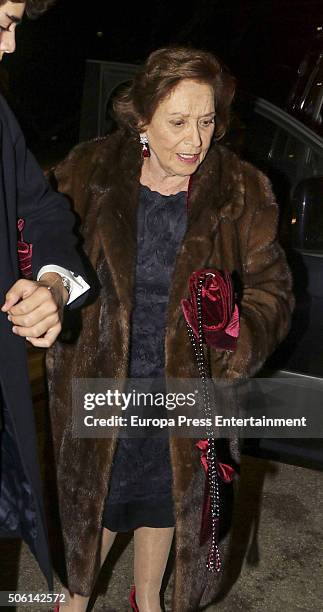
(36,330)
(30,303)
(46,309)
(21,289)
(48,339)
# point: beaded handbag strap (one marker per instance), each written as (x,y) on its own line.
(214,560)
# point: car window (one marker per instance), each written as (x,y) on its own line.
(294,156)
(273,146)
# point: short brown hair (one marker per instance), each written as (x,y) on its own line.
(163,70)
(34,8)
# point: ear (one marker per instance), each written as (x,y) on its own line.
(142,129)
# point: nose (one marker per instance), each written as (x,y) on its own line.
(8,41)
(194,136)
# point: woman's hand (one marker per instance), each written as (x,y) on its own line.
(35,308)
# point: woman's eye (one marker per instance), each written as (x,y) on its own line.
(177,123)
(207,122)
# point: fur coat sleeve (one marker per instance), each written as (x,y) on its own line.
(267,300)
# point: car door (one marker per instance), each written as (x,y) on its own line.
(292,156)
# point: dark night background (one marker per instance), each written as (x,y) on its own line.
(262,42)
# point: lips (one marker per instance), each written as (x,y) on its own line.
(188,159)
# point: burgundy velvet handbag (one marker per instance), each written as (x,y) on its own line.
(220,314)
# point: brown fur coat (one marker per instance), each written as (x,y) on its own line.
(232,224)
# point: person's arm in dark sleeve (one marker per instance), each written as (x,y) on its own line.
(49,221)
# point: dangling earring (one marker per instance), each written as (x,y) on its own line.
(145,145)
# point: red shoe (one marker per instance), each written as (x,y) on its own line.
(132,599)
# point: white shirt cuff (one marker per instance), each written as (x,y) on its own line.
(78,284)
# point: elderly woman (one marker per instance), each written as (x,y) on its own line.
(160,200)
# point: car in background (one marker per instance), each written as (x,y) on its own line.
(291,154)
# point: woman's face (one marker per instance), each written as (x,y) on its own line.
(11,14)
(181,128)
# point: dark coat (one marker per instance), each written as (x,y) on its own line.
(48,226)
(232,223)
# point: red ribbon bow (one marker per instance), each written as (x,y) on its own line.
(226,473)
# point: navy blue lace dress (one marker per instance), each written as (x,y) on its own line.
(140,492)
